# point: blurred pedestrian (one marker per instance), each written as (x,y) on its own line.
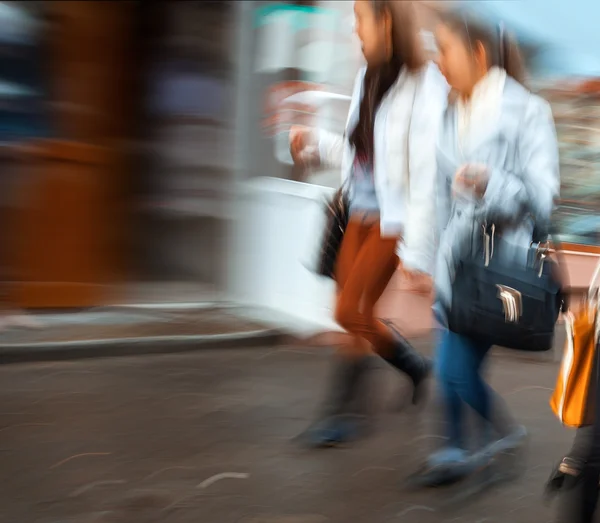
(583,479)
(577,502)
(497,163)
(577,477)
(388,168)
(575,402)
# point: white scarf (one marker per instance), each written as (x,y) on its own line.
(483,107)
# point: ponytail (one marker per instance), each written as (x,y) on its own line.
(510,58)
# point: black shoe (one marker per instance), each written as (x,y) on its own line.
(564,476)
(340,420)
(406,359)
(334,431)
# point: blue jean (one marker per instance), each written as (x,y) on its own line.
(458,368)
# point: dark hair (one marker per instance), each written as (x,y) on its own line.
(501,49)
(380,78)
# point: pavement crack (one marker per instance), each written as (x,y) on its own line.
(528,387)
(77,456)
(90,486)
(223,475)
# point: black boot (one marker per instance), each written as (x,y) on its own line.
(563,478)
(566,473)
(578,495)
(341,420)
(406,359)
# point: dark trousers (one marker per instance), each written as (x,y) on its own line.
(458,368)
(581,501)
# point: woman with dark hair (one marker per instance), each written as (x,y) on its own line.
(388,166)
(497,158)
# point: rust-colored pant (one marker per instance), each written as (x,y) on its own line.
(366,263)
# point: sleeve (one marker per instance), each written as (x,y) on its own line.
(331,145)
(508,195)
(419,243)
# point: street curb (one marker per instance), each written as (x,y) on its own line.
(118,347)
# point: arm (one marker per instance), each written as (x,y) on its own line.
(508,196)
(331,145)
(419,234)
(330,148)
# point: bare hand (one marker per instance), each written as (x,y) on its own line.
(418,282)
(301,144)
(473,178)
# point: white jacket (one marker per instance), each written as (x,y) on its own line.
(406,200)
(520,150)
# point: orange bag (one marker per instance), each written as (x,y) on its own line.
(576,381)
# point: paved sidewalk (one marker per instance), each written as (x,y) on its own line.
(206,437)
(198,317)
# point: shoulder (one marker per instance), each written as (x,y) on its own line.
(359,79)
(538,108)
(432,94)
(538,122)
(431,82)
(432,91)
(526,113)
(360,74)
(516,91)
(357,88)
(530,105)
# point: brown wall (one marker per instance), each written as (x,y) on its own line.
(70,220)
(90,46)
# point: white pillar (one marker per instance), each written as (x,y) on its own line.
(243,76)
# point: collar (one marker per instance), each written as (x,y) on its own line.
(489,88)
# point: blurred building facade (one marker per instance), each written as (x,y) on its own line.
(117,134)
(575,104)
(576,108)
(186,145)
(126,126)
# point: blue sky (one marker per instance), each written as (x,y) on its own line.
(568,29)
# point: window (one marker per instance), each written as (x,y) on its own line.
(304,62)
(23,113)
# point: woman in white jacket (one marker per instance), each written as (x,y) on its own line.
(387,158)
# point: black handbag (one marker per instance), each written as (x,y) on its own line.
(513,305)
(337,213)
